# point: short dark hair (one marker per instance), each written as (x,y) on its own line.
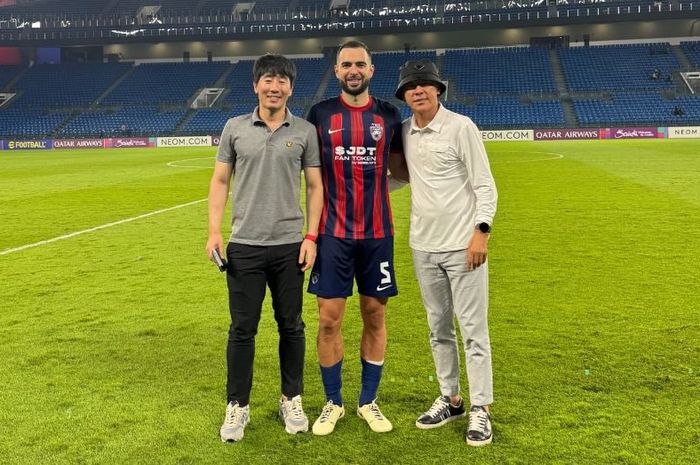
(355,44)
(274,65)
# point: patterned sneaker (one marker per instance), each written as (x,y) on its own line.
(292,413)
(479,432)
(441,412)
(325,424)
(235,421)
(372,415)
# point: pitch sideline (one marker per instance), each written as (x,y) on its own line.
(97,228)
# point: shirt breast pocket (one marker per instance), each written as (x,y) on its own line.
(440,156)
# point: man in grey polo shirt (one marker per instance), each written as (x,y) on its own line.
(264,152)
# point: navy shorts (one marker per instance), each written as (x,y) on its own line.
(338,261)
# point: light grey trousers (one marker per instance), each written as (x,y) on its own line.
(450,291)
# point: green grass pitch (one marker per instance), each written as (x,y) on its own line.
(112,342)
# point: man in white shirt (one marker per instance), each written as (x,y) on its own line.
(453,202)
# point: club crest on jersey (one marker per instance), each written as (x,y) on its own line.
(376,131)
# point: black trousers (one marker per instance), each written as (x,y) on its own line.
(251,269)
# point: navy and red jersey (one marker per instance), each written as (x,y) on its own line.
(355,145)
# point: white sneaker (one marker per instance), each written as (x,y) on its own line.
(235,421)
(325,423)
(374,417)
(292,413)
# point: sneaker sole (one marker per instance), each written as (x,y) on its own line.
(300,429)
(479,443)
(231,439)
(443,422)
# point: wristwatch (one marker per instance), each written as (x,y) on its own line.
(484,227)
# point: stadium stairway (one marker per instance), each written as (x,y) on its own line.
(327,76)
(11,84)
(183,122)
(569,112)
(686,64)
(221,82)
(558,72)
(565,99)
(57,130)
(450,93)
(114,85)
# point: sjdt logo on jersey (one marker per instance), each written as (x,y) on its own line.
(376,131)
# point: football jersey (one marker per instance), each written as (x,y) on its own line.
(355,145)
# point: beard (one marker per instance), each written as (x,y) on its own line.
(356,91)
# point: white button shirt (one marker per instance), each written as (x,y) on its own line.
(452,188)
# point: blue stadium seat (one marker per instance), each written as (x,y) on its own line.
(499,70)
(7,73)
(628,108)
(66,85)
(128,120)
(29,122)
(617,67)
(692,50)
(159,83)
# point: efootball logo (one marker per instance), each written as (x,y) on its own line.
(376,131)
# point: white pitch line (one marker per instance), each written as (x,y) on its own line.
(557,156)
(97,228)
(173,165)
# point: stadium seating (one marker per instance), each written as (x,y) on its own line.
(167,7)
(207,121)
(240,82)
(28,123)
(130,120)
(498,88)
(212,120)
(617,67)
(225,6)
(510,70)
(692,50)
(66,7)
(637,109)
(508,112)
(309,74)
(181,12)
(66,85)
(7,73)
(159,83)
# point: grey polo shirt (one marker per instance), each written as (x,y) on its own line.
(266,204)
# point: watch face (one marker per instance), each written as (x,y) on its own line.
(484,227)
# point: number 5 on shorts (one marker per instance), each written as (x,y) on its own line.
(385,283)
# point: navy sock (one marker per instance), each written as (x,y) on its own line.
(371,375)
(332,382)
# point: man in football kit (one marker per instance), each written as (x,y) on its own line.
(264,152)
(356,133)
(453,202)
